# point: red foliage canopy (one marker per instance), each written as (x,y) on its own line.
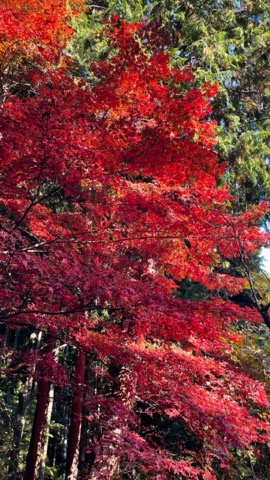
(108,200)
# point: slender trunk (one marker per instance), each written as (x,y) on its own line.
(58,454)
(34,452)
(83,440)
(16,338)
(61,457)
(43,460)
(46,434)
(85,413)
(76,419)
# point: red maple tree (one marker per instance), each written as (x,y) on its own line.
(108,201)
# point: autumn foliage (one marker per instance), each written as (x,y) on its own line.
(108,201)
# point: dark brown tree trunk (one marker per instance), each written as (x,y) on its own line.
(74,433)
(35,447)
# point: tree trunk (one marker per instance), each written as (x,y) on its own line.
(83,440)
(57,452)
(85,413)
(60,452)
(46,434)
(34,452)
(76,419)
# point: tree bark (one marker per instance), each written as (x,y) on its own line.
(59,453)
(34,452)
(76,419)
(45,439)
